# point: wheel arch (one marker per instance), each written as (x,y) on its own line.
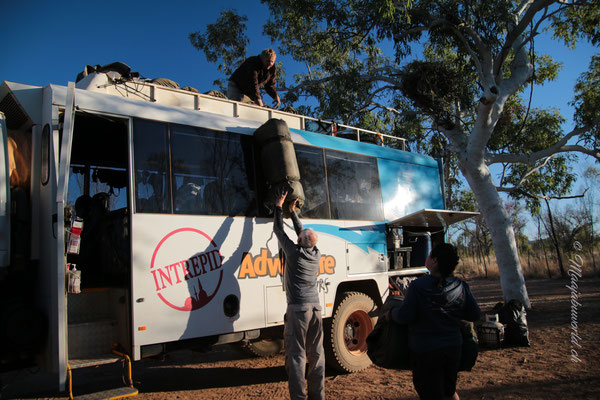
(366,286)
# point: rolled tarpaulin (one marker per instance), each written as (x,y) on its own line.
(279,163)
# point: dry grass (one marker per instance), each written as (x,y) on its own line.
(534,266)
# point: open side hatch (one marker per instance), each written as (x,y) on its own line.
(431,218)
(411,238)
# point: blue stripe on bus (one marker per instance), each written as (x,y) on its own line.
(364,237)
(353,146)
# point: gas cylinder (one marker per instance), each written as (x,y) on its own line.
(491,331)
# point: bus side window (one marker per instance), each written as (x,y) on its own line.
(354,188)
(312,176)
(151,158)
(210,174)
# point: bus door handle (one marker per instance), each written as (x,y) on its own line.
(55,225)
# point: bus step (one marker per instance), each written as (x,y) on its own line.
(118,393)
(93,361)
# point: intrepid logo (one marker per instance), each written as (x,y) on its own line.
(266,264)
(184,283)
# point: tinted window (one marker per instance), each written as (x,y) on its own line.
(312,176)
(210,172)
(111,181)
(354,189)
(151,164)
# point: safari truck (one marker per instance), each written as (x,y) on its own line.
(136,219)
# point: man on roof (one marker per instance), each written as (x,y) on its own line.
(255,72)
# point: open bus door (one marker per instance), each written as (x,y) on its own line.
(58,325)
(92,317)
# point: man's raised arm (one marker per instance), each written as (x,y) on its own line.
(284,240)
(295,220)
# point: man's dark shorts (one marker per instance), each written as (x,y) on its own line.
(435,372)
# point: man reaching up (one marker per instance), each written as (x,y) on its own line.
(303,332)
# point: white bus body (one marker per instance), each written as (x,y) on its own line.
(166,262)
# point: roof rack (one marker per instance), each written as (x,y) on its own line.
(155,93)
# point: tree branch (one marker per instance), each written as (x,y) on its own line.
(393,110)
(521,68)
(467,45)
(559,147)
(546,16)
(487,115)
(457,138)
(375,76)
(304,84)
(516,190)
(537,168)
(484,51)
(530,8)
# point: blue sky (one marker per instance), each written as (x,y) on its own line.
(51,42)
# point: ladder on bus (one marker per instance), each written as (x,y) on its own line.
(117,393)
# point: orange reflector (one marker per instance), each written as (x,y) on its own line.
(329,305)
(141,328)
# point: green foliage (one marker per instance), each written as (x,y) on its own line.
(587,102)
(465,201)
(546,69)
(514,133)
(523,243)
(523,131)
(554,179)
(223,42)
(317,32)
(435,88)
(578,22)
(592,174)
(489,17)
(413,69)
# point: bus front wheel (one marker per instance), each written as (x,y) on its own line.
(347,331)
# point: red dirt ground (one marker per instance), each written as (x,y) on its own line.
(543,371)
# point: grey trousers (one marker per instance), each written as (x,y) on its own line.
(303,336)
(233,92)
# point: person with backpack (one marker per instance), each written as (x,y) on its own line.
(433,307)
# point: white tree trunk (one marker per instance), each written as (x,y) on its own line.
(501,230)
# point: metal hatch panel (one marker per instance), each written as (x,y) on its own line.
(432,218)
(22,104)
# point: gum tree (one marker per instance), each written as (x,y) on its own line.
(454,77)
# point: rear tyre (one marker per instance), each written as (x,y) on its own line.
(346,333)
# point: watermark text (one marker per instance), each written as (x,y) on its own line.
(575,273)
